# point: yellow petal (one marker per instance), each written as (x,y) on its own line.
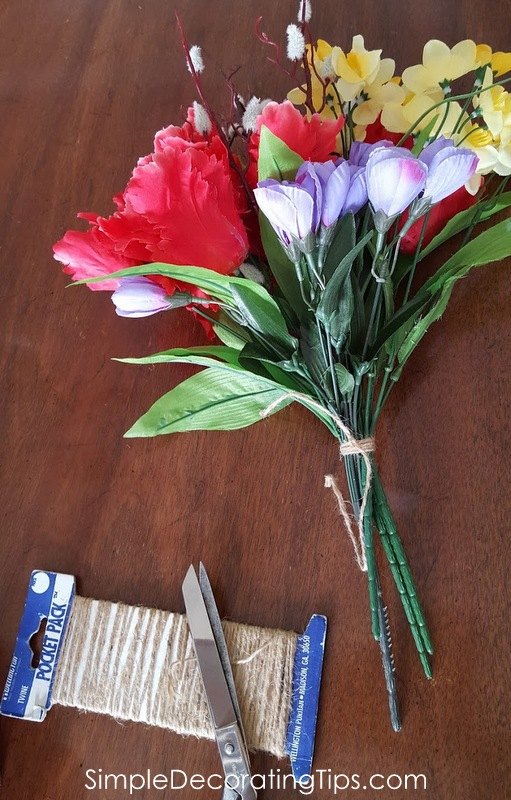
(297,96)
(436,56)
(366,113)
(393,118)
(501,63)
(347,90)
(417,79)
(483,54)
(323,49)
(385,70)
(463,59)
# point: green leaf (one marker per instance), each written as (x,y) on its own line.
(229,332)
(464,219)
(345,380)
(343,242)
(335,308)
(407,312)
(423,137)
(282,268)
(329,302)
(491,245)
(312,351)
(275,160)
(340,322)
(201,356)
(207,401)
(261,313)
(357,331)
(211,282)
(420,328)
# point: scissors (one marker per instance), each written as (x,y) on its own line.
(216,672)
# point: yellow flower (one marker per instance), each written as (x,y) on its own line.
(494,153)
(494,103)
(481,142)
(491,140)
(500,63)
(356,69)
(383,91)
(440,65)
(447,115)
(320,64)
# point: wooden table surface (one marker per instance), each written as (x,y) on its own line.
(84,86)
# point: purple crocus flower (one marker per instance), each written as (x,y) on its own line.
(139,297)
(291,211)
(394,179)
(357,193)
(329,185)
(449,168)
(311,205)
(360,151)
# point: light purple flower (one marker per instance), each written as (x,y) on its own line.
(360,151)
(289,208)
(139,297)
(310,205)
(357,193)
(328,184)
(394,179)
(449,168)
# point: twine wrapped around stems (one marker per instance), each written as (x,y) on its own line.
(351,446)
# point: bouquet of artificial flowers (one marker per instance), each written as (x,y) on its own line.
(296,233)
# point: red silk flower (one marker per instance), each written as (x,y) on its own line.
(313,138)
(179,207)
(375,132)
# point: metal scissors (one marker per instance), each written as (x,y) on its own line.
(215,668)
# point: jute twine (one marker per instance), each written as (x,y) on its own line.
(138,664)
(351,446)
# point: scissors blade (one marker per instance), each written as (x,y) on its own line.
(218,633)
(220,702)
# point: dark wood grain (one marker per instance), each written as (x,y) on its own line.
(83,88)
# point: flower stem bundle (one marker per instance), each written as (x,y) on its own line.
(296,232)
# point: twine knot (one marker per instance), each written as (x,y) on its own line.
(367,445)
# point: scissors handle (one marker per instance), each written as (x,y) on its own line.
(235,761)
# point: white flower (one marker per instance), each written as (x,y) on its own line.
(195,54)
(295,43)
(253,108)
(304,11)
(201,119)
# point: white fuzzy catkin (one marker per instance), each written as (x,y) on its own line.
(326,70)
(195,54)
(251,272)
(138,664)
(304,11)
(295,43)
(201,120)
(253,108)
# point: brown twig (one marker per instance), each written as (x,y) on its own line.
(212,115)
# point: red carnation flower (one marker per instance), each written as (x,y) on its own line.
(179,207)
(312,138)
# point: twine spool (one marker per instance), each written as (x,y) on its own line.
(138,664)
